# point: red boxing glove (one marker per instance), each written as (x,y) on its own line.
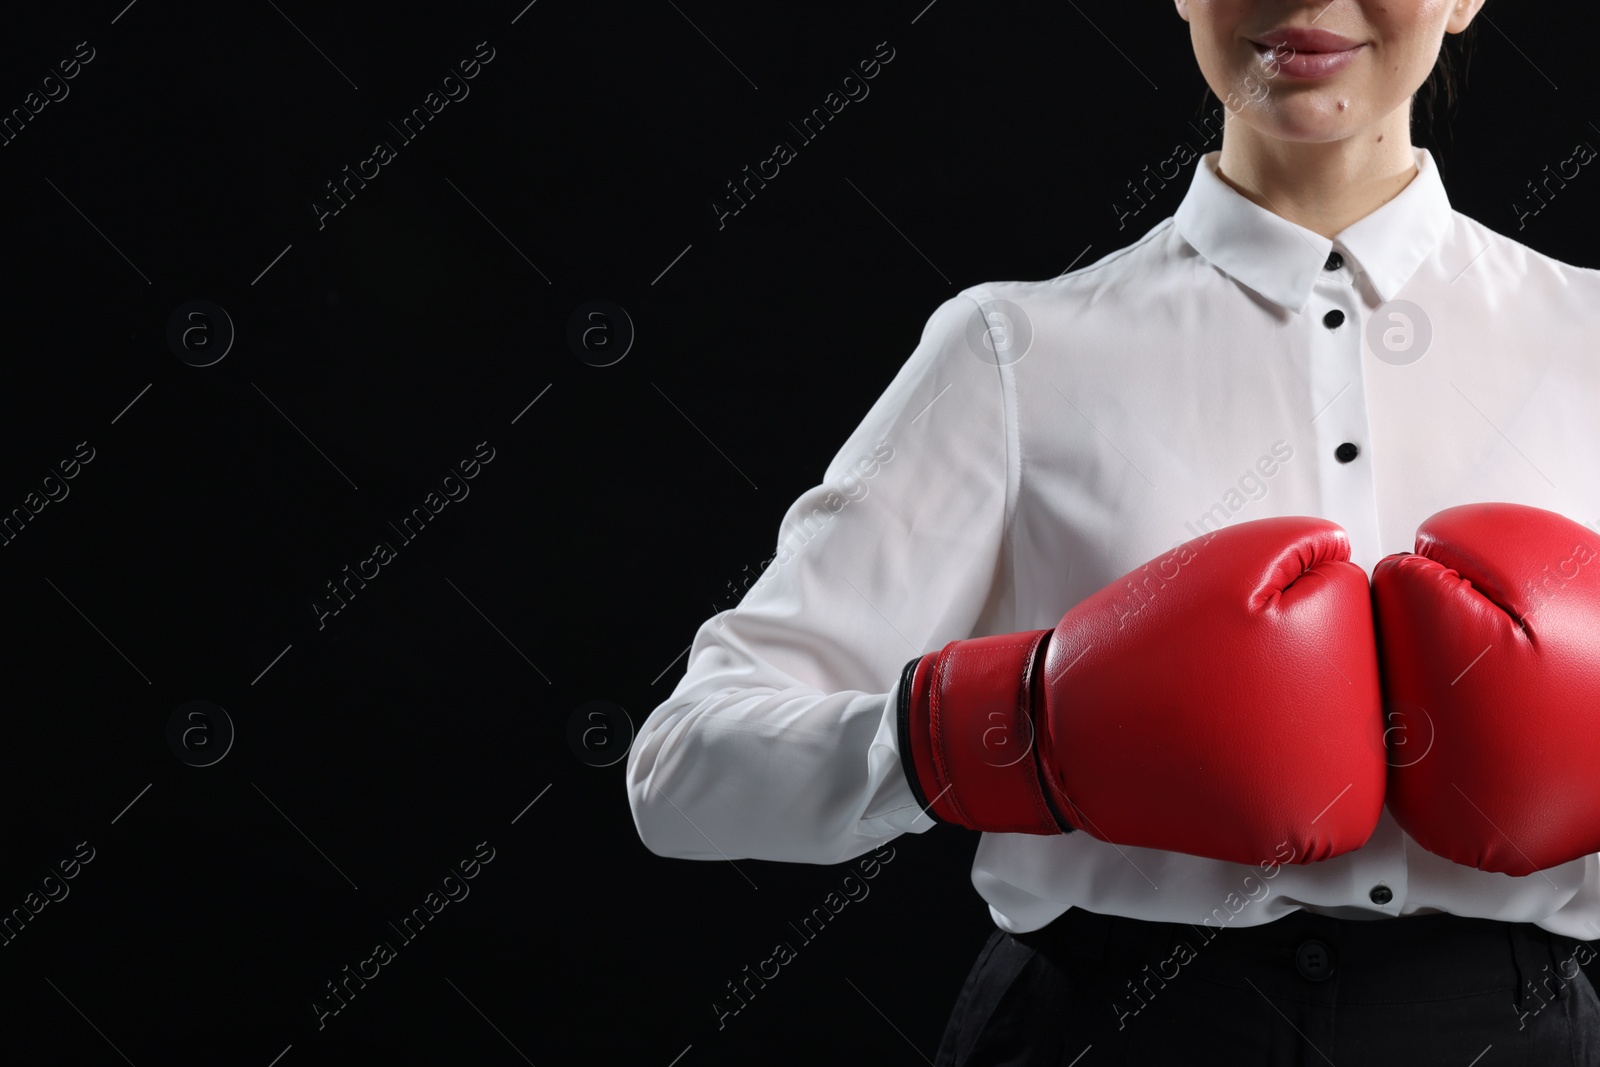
(1489,640)
(1222,700)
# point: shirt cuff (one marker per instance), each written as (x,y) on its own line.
(893,808)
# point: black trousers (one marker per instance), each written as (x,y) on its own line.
(1303,990)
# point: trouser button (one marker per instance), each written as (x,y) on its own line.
(1314,961)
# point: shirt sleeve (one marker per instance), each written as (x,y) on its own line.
(780,740)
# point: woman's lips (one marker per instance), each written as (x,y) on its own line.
(1306,53)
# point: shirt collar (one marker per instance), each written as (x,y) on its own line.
(1281,260)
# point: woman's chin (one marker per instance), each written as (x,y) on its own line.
(1307,122)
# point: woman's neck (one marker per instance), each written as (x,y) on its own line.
(1322,186)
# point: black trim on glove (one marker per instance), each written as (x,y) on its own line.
(903,717)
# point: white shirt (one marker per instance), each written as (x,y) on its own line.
(1046,437)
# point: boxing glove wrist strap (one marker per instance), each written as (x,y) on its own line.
(966,732)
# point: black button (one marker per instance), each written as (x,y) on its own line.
(1314,961)
(1381,894)
(1333,319)
(1346,452)
(1335,261)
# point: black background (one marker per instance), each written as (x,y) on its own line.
(374,753)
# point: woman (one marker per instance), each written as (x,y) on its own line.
(1314,332)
